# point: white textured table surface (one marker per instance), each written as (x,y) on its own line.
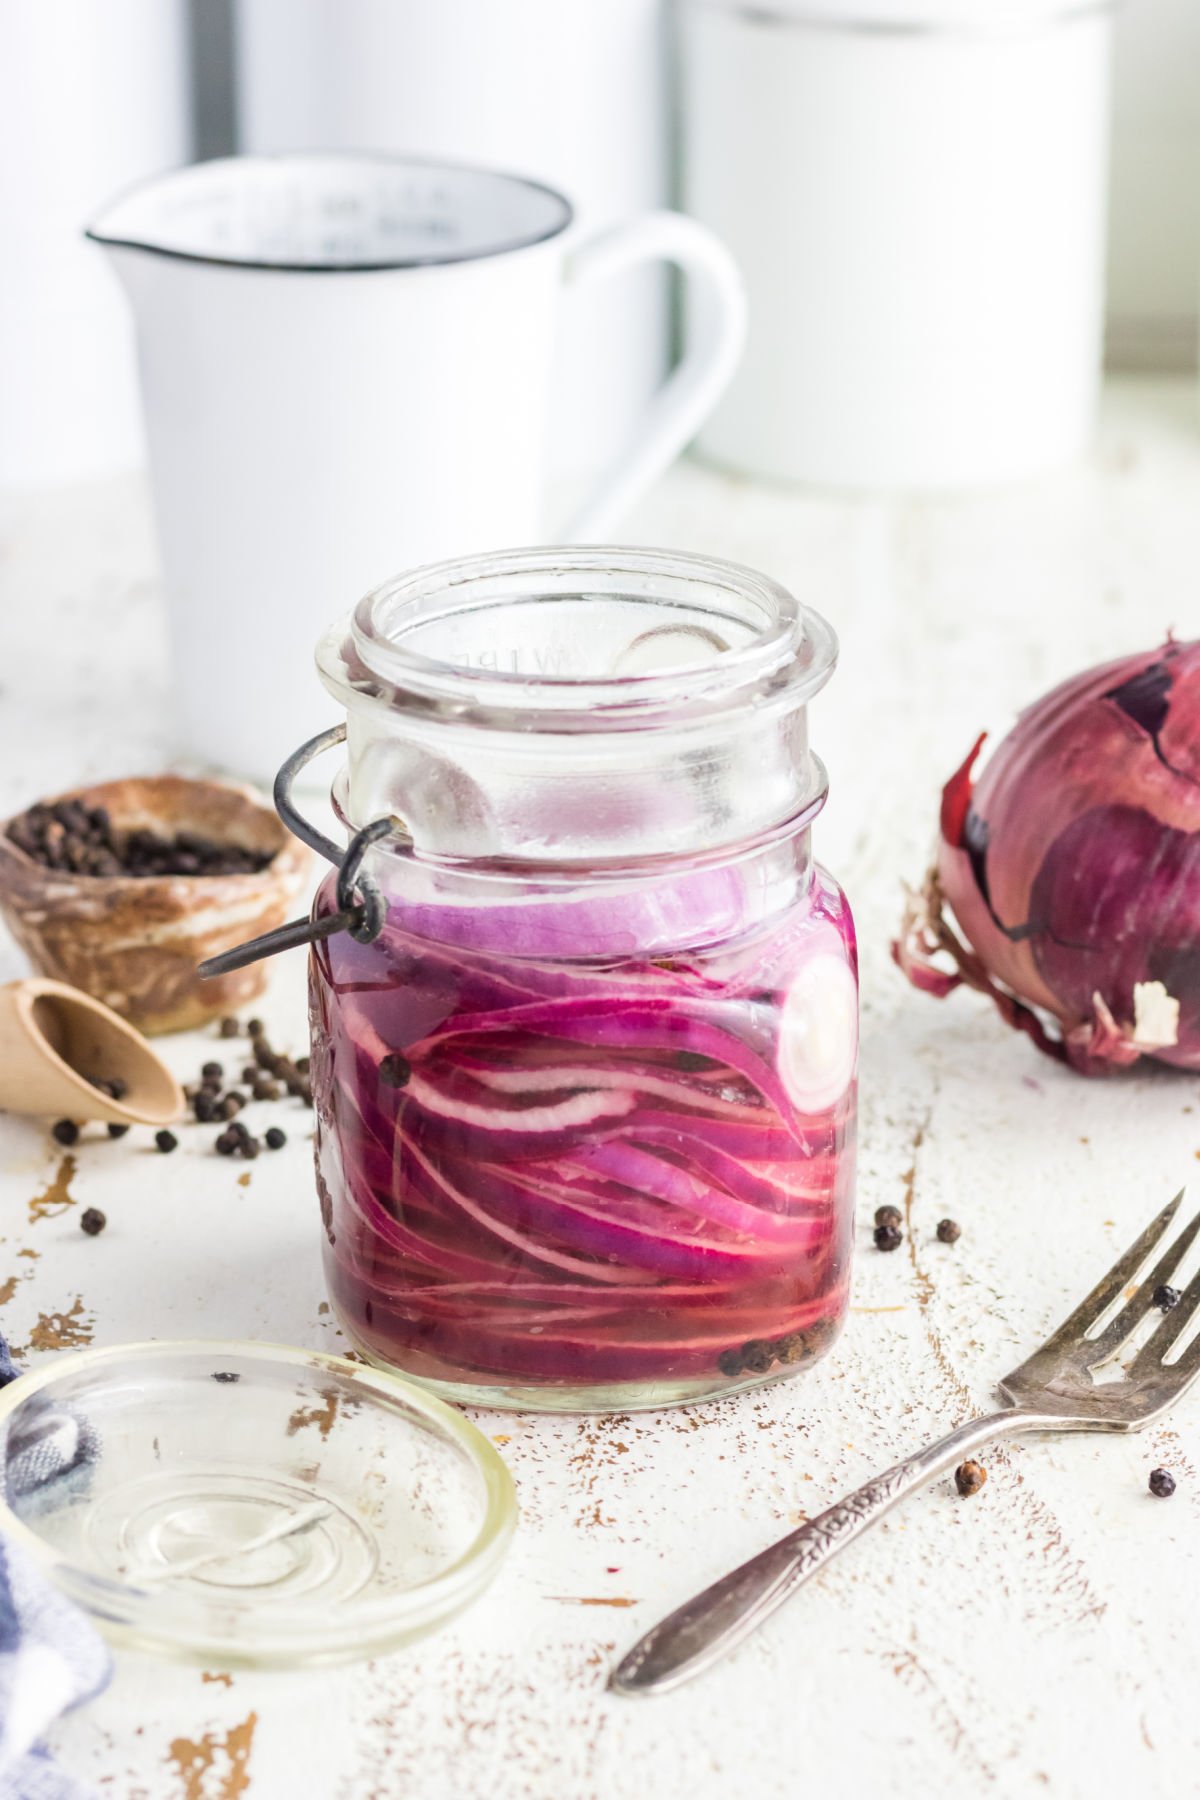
(1042,1638)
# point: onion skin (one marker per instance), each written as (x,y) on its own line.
(1072,869)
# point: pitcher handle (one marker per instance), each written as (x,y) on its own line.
(716,333)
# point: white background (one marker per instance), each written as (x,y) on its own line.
(1154,261)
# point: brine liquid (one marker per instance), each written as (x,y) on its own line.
(580,1181)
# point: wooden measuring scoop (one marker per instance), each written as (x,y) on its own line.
(53,1037)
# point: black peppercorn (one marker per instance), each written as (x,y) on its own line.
(889,1215)
(166,1141)
(230,1028)
(248,1147)
(226,1143)
(1162,1483)
(730,1363)
(888,1237)
(93,1221)
(117,1131)
(969,1477)
(262,1089)
(949,1231)
(65,1131)
(68,834)
(394,1070)
(255,1027)
(820,1336)
(118,1088)
(213,1071)
(275,1138)
(757,1356)
(1166,1297)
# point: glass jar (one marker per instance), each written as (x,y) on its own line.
(586,1102)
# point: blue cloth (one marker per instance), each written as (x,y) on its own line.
(51,1657)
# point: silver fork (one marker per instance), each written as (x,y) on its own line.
(1076,1381)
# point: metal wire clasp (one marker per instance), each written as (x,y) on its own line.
(361,908)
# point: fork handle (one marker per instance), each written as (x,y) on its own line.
(705,1628)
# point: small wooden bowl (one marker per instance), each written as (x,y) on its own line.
(134,943)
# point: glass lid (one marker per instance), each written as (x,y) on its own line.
(250,1504)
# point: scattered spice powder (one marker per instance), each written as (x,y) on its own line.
(214,1766)
(56,1197)
(62,1330)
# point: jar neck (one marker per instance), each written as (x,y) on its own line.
(579,705)
(661,907)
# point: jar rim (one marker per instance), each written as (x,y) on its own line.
(785,663)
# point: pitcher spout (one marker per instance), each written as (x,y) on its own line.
(138,218)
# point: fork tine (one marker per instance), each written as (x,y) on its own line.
(1111,1286)
(1188,1367)
(1174,1324)
(1132,1314)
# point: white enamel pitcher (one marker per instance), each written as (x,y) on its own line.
(345,365)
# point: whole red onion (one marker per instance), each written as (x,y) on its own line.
(1073,869)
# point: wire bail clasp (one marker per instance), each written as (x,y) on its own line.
(361,909)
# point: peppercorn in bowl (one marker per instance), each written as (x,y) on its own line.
(123,887)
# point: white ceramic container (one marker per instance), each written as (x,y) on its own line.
(915,193)
(571,92)
(92,97)
(346,368)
